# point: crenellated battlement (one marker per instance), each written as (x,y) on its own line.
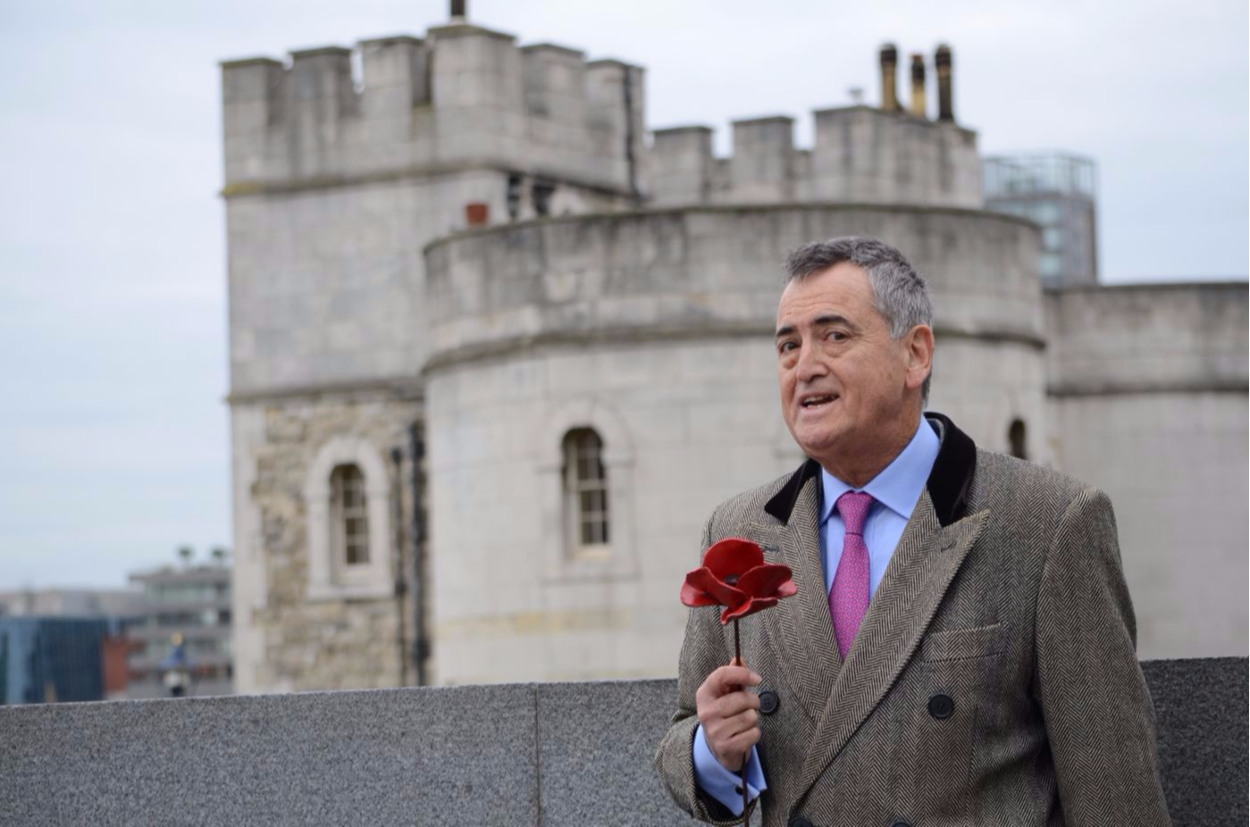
(464,97)
(861,155)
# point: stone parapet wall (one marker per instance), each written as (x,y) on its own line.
(1147,337)
(555,755)
(708,271)
(861,155)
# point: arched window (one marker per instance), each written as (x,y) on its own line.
(1016,436)
(350,497)
(585,492)
(349,506)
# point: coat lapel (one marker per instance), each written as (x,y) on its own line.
(921,570)
(800,627)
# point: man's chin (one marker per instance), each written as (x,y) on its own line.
(815,443)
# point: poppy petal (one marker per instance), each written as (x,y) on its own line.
(704,586)
(767,580)
(750,607)
(694,596)
(732,557)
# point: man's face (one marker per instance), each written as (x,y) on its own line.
(843,379)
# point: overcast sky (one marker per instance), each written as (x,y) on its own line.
(114,440)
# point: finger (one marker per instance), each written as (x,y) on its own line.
(739,745)
(727,706)
(722,732)
(732,751)
(736,725)
(730,678)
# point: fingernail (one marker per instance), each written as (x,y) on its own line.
(755,678)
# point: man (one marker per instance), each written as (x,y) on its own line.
(961,649)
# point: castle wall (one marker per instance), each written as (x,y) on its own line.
(287,639)
(326,284)
(861,155)
(1148,392)
(655,329)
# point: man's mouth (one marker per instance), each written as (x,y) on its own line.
(816,401)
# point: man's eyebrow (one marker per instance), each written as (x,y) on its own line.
(832,318)
(820,321)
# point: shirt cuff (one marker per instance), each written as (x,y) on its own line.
(720,783)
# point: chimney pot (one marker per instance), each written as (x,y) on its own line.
(946,102)
(889,74)
(918,105)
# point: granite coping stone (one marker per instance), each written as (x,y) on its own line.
(383,757)
(596,749)
(548,755)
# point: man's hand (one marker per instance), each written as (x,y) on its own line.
(729,714)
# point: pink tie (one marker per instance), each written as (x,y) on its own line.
(848,598)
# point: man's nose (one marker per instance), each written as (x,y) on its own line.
(810,365)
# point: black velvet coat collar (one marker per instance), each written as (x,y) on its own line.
(948,482)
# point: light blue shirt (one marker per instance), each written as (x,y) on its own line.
(895,492)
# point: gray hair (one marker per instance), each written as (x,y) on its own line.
(899,293)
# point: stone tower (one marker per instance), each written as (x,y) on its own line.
(334,185)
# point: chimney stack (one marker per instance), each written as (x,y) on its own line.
(889,72)
(917,86)
(458,10)
(946,103)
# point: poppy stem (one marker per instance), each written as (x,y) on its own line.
(746,816)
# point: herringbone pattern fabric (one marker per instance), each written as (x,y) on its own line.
(848,596)
(1017,614)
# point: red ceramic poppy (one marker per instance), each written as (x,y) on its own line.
(734,575)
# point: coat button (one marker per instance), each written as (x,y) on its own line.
(900,824)
(799,821)
(769,702)
(941,706)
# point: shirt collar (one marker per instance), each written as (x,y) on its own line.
(899,484)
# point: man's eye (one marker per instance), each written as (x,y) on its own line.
(786,347)
(836,336)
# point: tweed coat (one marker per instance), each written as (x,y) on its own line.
(993,681)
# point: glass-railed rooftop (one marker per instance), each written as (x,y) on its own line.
(1051,173)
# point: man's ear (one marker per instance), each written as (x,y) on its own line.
(919,354)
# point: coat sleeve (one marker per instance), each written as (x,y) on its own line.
(703,651)
(1097,709)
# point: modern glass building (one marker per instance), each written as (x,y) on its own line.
(1059,192)
(50,659)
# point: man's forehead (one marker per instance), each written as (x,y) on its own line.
(843,288)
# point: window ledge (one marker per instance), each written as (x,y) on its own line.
(358,591)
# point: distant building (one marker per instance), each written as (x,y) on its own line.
(1059,193)
(195,602)
(69,602)
(50,659)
